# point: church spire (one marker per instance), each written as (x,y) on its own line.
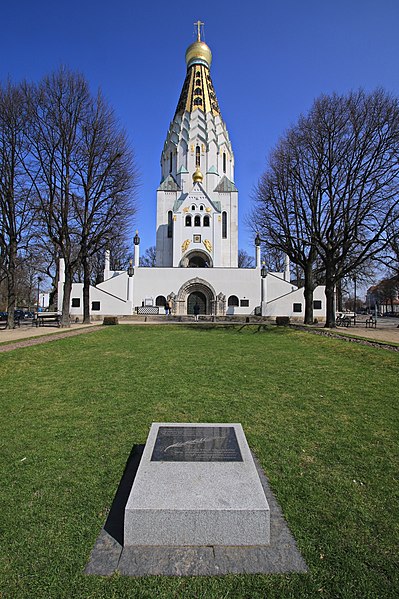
(198,92)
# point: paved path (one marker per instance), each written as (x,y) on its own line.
(387,331)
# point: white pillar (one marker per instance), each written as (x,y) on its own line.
(263,303)
(107,265)
(257,256)
(287,274)
(61,281)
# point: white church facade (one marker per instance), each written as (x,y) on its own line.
(196,228)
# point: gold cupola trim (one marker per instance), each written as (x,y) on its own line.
(198,177)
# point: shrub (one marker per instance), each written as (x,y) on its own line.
(110,320)
(282,321)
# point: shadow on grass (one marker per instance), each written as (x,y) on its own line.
(234,328)
(114,523)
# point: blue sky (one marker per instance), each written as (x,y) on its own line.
(270,60)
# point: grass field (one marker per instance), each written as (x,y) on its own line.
(320,414)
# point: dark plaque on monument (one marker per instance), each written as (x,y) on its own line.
(196,444)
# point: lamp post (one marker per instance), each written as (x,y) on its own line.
(39,280)
(354,301)
(263,273)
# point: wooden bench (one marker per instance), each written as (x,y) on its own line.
(51,318)
(371,322)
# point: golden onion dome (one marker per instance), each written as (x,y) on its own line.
(200,53)
(198,177)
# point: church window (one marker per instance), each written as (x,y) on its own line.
(197,102)
(76,302)
(160,301)
(197,156)
(317,304)
(244,303)
(201,207)
(188,220)
(198,91)
(170,162)
(224,162)
(206,220)
(297,308)
(170,224)
(198,74)
(198,82)
(95,306)
(193,207)
(197,221)
(233,301)
(224,225)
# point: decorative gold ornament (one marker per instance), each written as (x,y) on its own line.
(186,209)
(208,209)
(198,177)
(175,217)
(207,244)
(219,218)
(185,245)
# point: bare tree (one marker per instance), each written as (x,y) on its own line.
(284,213)
(331,188)
(83,173)
(149,257)
(245,260)
(106,178)
(357,137)
(15,189)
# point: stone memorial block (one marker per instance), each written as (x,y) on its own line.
(196,484)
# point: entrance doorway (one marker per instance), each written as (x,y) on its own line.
(196,297)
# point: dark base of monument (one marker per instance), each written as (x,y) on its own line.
(109,556)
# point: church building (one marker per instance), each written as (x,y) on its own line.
(196,227)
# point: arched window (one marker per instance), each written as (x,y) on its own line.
(198,91)
(193,207)
(198,82)
(198,74)
(197,102)
(197,156)
(224,162)
(224,225)
(206,220)
(170,162)
(197,221)
(188,220)
(170,224)
(233,301)
(160,301)
(201,207)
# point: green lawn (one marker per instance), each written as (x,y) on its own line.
(320,414)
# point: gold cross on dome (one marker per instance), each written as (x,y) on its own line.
(198,24)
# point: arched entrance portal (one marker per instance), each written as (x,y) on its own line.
(199,298)
(196,289)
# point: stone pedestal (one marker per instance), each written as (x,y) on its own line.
(197,485)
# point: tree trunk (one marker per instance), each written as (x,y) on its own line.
(11,291)
(66,300)
(86,292)
(339,296)
(308,294)
(330,305)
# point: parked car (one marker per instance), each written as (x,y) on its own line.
(3,316)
